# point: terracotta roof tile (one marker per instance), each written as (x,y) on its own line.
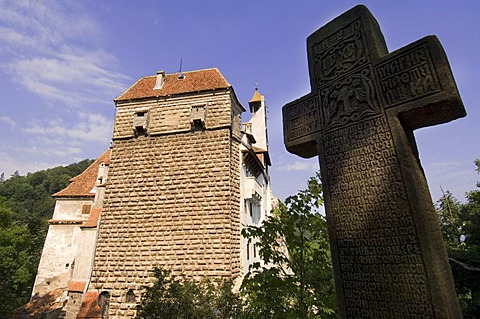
(193,81)
(93,218)
(38,305)
(89,308)
(82,184)
(76,286)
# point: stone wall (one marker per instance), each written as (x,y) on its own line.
(172,114)
(171,201)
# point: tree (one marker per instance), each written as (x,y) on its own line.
(173,297)
(295,279)
(460,224)
(26,204)
(16,262)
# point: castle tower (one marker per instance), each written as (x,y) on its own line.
(173,194)
(258,121)
(183,176)
(255,183)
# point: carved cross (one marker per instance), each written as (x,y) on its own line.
(387,250)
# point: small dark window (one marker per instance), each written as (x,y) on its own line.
(130,296)
(254,251)
(198,125)
(140,123)
(86,209)
(248,251)
(104,303)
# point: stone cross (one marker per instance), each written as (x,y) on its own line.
(388,255)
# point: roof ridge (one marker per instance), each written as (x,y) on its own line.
(194,81)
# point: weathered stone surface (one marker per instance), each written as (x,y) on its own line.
(172,199)
(388,254)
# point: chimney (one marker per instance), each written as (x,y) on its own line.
(160,80)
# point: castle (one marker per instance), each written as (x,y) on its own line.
(181,179)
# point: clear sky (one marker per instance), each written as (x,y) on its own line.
(63,62)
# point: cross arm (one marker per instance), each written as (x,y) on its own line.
(301,124)
(417,84)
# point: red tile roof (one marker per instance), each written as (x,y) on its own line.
(76,286)
(93,218)
(40,304)
(89,308)
(82,184)
(193,81)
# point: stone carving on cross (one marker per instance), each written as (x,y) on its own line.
(353,77)
(388,254)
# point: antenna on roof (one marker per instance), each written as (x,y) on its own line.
(181,76)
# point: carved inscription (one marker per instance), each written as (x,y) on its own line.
(340,52)
(378,250)
(303,119)
(349,99)
(408,76)
(381,223)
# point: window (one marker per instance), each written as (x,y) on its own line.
(254,251)
(130,296)
(104,303)
(86,209)
(248,250)
(140,123)
(197,125)
(197,117)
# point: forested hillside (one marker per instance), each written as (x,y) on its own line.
(26,203)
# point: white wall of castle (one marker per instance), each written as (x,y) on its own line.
(256,192)
(84,256)
(61,245)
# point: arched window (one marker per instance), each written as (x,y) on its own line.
(130,296)
(104,303)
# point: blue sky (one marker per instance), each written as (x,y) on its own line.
(63,62)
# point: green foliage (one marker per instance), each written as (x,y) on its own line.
(460,224)
(295,278)
(26,204)
(16,262)
(178,298)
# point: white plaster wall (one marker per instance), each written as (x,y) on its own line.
(70,209)
(259,127)
(85,251)
(58,254)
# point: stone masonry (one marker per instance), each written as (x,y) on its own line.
(173,196)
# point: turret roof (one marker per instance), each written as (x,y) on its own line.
(257,97)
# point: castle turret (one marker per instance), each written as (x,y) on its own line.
(255,181)
(259,120)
